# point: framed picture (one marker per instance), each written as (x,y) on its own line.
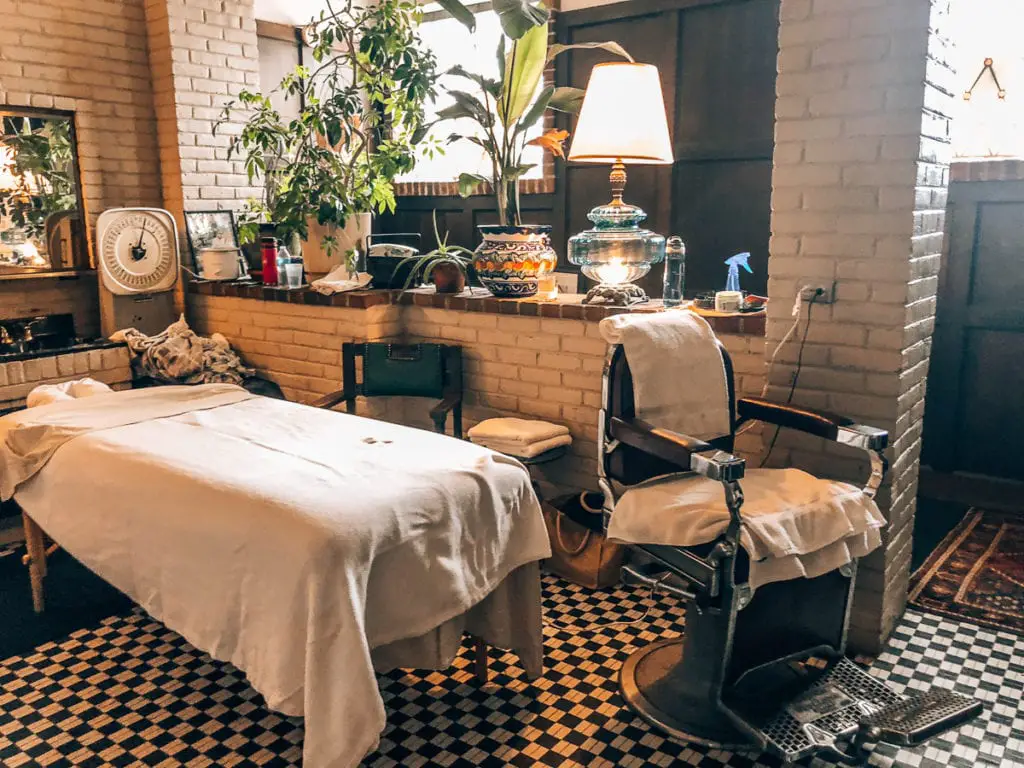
(210,229)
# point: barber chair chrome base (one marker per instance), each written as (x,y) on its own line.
(754,669)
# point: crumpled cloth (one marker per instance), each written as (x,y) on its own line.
(180,356)
(337,281)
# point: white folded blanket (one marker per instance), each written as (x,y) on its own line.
(513,448)
(512,431)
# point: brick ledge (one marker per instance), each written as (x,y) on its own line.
(567,307)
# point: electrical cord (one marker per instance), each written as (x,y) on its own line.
(796,375)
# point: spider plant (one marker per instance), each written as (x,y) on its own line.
(454,256)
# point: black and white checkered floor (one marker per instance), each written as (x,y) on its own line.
(131,692)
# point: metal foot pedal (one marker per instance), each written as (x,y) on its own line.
(843,704)
(916,719)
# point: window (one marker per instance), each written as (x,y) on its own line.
(453,44)
(987,126)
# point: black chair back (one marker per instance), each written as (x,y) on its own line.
(404,370)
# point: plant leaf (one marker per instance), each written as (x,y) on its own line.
(501,58)
(460,13)
(471,103)
(535,112)
(608,45)
(454,112)
(523,70)
(467,181)
(518,17)
(513,173)
(493,87)
(567,99)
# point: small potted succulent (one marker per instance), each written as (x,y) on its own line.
(447,266)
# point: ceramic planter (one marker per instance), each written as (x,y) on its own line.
(511,258)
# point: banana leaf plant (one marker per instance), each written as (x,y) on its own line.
(506,109)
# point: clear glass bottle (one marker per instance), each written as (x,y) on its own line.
(675,271)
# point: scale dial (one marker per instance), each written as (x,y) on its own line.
(138,250)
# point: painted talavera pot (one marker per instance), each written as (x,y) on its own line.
(511,258)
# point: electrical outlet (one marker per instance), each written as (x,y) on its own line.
(824,293)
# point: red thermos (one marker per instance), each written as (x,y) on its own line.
(268,250)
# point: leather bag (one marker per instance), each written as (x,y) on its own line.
(579,553)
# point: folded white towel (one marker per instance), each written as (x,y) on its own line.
(338,281)
(521,432)
(527,451)
(45,394)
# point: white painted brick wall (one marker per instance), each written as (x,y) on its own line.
(858,197)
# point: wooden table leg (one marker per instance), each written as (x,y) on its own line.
(481,661)
(36,560)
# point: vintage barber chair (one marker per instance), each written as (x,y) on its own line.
(755,668)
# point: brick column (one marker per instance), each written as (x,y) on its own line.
(859,191)
(202,53)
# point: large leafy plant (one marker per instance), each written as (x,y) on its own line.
(507,108)
(361,121)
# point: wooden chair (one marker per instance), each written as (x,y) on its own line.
(403,370)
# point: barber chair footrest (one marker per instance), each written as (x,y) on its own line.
(844,704)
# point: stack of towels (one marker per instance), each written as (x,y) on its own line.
(522,438)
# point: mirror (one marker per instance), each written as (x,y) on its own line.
(41,223)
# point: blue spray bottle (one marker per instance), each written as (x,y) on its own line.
(732,282)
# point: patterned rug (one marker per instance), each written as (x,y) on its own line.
(977,572)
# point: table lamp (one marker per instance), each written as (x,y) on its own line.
(622,121)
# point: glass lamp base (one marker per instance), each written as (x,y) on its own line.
(621,295)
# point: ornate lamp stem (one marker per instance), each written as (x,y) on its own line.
(617,178)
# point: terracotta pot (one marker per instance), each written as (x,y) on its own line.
(511,258)
(447,278)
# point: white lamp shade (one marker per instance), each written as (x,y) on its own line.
(623,117)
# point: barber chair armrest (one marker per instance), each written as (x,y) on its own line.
(329,401)
(684,451)
(830,426)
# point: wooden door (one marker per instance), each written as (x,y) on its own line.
(974,413)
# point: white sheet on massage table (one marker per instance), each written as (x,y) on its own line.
(280,538)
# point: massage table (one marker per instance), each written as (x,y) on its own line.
(309,548)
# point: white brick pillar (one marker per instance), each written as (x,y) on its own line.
(859,192)
(202,53)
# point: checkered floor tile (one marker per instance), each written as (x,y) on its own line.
(132,692)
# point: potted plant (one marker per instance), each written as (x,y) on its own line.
(360,125)
(447,266)
(513,255)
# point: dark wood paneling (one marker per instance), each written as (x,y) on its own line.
(719,211)
(991,411)
(974,414)
(717,64)
(726,96)
(998,277)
